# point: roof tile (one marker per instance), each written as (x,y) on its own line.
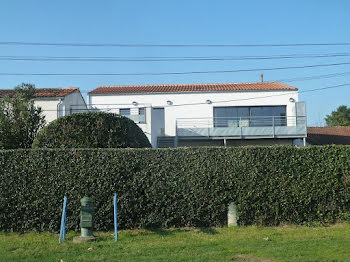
(44,92)
(180,88)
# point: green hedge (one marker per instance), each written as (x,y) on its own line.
(91,130)
(174,187)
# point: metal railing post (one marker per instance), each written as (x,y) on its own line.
(273,126)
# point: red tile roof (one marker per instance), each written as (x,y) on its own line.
(180,88)
(339,135)
(44,92)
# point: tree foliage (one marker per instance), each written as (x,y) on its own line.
(20,119)
(91,130)
(340,117)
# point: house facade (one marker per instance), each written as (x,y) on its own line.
(232,114)
(55,102)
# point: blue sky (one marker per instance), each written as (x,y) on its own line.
(179,22)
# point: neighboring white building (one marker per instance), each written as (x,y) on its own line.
(230,114)
(55,102)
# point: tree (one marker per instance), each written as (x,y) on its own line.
(91,130)
(20,119)
(340,117)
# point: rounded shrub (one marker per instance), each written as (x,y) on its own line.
(91,130)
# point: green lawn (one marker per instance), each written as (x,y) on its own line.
(289,243)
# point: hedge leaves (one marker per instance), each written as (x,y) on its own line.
(174,187)
(91,130)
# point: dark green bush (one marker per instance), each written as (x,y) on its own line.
(91,130)
(174,187)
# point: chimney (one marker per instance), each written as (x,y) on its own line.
(262,78)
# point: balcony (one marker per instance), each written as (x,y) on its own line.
(242,128)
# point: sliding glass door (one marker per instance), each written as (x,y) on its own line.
(236,116)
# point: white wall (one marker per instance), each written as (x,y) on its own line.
(48,106)
(173,112)
(53,108)
(75,102)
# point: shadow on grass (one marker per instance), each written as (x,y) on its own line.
(208,230)
(167,232)
(172,231)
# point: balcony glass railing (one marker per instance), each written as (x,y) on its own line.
(260,126)
(250,121)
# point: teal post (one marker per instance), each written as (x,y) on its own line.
(86,216)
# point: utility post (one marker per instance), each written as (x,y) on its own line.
(86,220)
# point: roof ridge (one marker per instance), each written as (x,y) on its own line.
(56,88)
(214,84)
(178,88)
(47,91)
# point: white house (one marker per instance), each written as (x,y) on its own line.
(263,113)
(55,102)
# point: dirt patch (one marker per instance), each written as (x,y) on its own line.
(249,258)
(338,225)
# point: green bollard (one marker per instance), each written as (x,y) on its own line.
(86,220)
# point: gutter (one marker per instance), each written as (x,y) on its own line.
(58,107)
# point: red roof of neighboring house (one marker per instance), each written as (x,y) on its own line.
(44,92)
(179,88)
(339,135)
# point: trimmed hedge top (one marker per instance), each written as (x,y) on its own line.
(174,187)
(91,130)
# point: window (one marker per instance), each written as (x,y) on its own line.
(124,111)
(230,116)
(141,111)
(142,115)
(268,115)
(236,116)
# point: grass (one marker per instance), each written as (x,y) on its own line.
(288,243)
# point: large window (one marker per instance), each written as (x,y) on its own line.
(236,116)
